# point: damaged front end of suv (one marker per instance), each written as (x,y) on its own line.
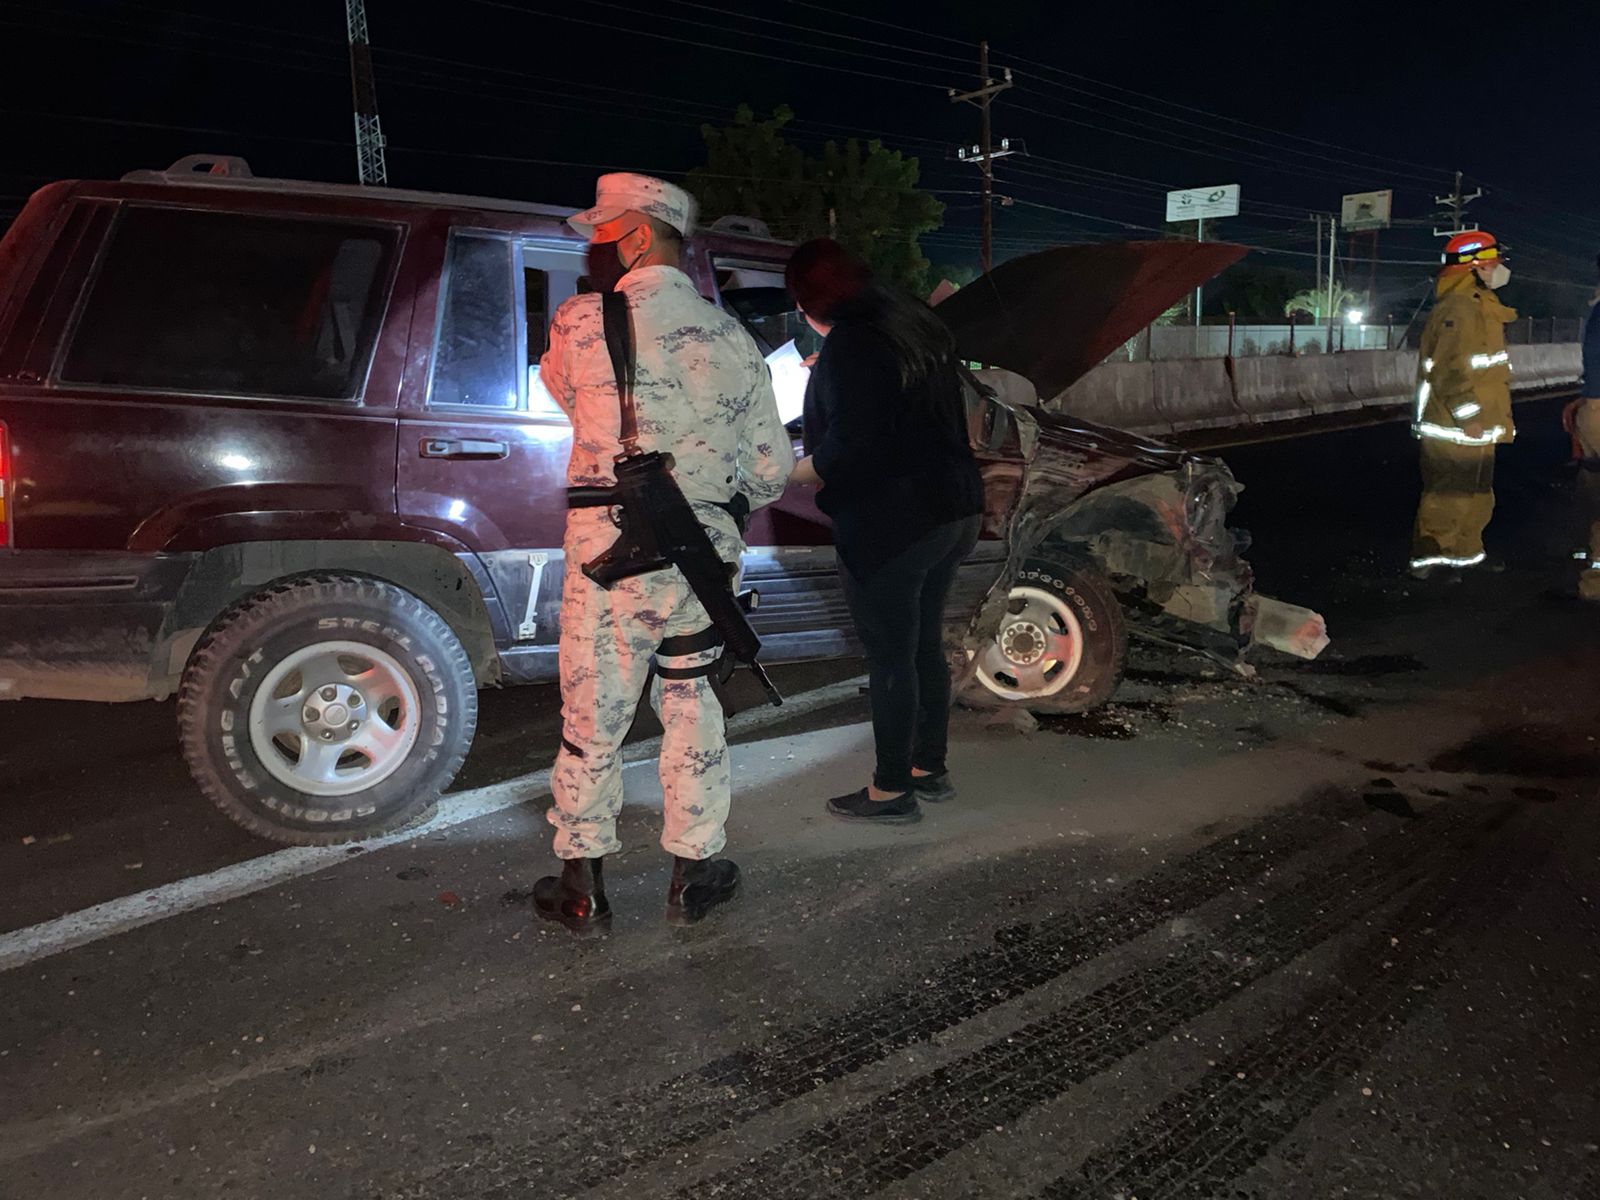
(1108,534)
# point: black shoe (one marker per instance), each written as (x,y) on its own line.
(576,897)
(698,886)
(933,788)
(859,806)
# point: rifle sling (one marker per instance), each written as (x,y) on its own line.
(624,363)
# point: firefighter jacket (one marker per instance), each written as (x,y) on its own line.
(1463,369)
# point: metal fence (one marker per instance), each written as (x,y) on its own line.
(1162,342)
(1543,331)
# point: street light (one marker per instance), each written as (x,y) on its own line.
(1355,316)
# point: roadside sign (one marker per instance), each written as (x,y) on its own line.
(1366,210)
(1202,204)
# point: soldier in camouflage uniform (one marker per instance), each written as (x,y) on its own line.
(704,394)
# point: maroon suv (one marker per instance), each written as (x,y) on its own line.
(280,448)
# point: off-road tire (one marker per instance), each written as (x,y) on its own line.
(1104,637)
(232,660)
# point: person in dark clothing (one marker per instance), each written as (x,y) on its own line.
(886,439)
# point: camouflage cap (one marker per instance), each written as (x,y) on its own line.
(622,192)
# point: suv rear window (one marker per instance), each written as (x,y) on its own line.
(476,349)
(188,301)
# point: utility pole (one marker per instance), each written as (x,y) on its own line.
(1199,295)
(1457,205)
(1333,246)
(1318,216)
(370,166)
(984,152)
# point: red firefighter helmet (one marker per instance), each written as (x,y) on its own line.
(1466,250)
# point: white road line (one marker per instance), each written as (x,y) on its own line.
(68,932)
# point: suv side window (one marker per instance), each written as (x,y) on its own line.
(478,344)
(549,277)
(211,302)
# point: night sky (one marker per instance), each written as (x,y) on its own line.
(1115,103)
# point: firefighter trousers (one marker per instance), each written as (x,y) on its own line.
(1588,429)
(608,639)
(1457,502)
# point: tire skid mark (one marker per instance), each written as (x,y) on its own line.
(910,1127)
(638,1127)
(1199,1140)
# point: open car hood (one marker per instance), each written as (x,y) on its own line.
(1052,316)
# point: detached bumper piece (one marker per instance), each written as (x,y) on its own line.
(1286,627)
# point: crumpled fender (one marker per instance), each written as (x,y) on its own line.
(1163,542)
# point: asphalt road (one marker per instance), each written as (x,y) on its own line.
(1328,932)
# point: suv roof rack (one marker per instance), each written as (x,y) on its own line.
(230,171)
(748,226)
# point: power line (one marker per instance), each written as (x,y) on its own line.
(146,43)
(1210,127)
(1047,69)
(1261,162)
(722,27)
(666,37)
(305,57)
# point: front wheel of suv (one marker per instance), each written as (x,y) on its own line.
(1060,646)
(325,709)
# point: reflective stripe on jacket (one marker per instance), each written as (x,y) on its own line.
(1463,369)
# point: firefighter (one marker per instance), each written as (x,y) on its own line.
(702,392)
(1581,419)
(1463,405)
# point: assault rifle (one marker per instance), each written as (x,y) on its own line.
(658,528)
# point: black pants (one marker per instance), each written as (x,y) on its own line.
(899,616)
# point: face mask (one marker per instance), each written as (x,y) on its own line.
(1499,276)
(605,265)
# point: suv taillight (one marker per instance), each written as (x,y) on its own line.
(5,491)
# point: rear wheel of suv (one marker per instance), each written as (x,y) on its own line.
(1061,645)
(326,709)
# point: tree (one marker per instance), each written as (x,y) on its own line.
(875,209)
(1254,292)
(751,169)
(1314,301)
(861,193)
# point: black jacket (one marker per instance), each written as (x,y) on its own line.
(895,461)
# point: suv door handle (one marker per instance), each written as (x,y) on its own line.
(463,448)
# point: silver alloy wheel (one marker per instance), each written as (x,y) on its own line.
(335,718)
(1037,650)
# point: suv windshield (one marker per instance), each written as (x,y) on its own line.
(755,293)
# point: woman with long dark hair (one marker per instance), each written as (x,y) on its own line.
(886,438)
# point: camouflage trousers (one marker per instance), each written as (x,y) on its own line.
(607,641)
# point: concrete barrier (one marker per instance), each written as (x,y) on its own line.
(1541,367)
(1121,394)
(1326,383)
(1529,369)
(1269,388)
(1178,395)
(1379,378)
(1195,393)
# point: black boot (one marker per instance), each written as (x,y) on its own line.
(698,886)
(576,897)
